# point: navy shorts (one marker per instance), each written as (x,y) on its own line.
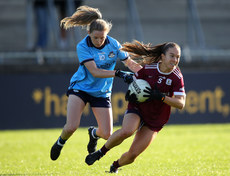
(93,101)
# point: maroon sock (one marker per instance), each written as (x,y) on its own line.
(104,150)
(116,164)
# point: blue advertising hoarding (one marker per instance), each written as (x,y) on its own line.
(39,100)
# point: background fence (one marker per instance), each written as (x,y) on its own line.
(39,101)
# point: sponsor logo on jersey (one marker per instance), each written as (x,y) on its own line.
(168,82)
(101,56)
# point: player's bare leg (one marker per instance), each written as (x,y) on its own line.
(72,123)
(130,124)
(142,140)
(104,119)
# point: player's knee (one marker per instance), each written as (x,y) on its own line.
(106,135)
(125,133)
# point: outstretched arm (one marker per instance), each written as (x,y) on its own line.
(99,73)
(132,65)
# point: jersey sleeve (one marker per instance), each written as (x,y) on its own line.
(178,88)
(140,74)
(122,55)
(84,54)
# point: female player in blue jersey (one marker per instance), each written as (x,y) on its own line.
(92,83)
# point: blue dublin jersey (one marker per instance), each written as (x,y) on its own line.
(105,57)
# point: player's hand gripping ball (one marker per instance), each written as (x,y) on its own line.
(137,88)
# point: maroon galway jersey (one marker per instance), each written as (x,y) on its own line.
(155,113)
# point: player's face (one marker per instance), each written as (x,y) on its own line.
(171,59)
(98,37)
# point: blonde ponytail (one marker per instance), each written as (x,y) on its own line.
(83,16)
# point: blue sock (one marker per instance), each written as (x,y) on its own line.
(94,133)
(61,141)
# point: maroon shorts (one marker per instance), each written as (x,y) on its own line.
(143,122)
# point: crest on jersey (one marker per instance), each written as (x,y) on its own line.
(168,82)
(111,54)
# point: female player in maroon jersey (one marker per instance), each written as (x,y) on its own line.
(161,71)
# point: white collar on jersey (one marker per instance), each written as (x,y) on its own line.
(163,72)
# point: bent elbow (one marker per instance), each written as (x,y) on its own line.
(181,106)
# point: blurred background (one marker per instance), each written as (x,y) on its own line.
(37,58)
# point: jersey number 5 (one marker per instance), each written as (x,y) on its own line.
(159,80)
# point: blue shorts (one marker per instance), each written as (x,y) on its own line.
(93,101)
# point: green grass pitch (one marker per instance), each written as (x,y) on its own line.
(178,150)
